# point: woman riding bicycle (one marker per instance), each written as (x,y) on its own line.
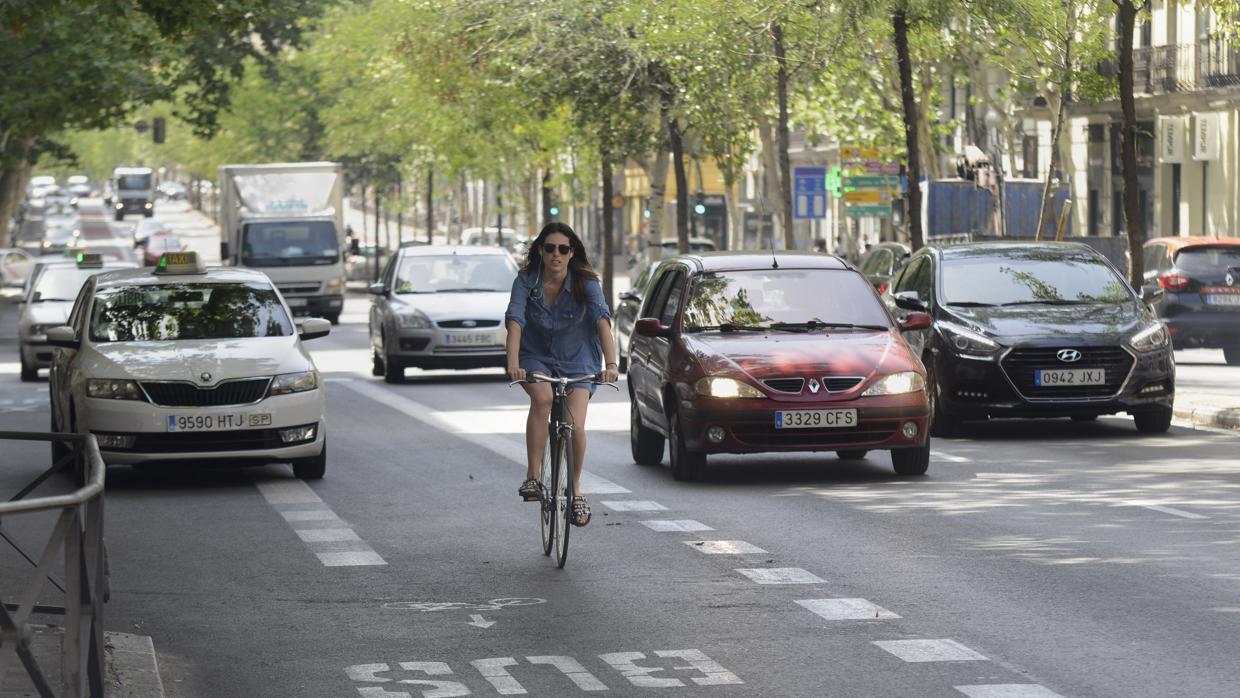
(558,325)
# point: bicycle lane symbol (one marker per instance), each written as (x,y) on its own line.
(435,606)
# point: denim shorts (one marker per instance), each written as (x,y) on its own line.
(535,366)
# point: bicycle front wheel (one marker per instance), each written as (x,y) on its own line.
(547,505)
(563,498)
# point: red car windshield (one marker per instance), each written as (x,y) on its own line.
(785,299)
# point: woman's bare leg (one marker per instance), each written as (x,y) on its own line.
(536,427)
(578,402)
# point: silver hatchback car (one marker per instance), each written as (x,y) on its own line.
(440,306)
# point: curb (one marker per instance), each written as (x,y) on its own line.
(1206,416)
(130,668)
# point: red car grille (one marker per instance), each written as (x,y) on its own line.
(767,436)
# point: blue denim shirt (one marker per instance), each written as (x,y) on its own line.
(563,337)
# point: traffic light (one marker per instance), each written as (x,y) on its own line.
(699,207)
(554,210)
(835,182)
(157,129)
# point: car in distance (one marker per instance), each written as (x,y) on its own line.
(47,302)
(1035,329)
(182,364)
(882,262)
(440,306)
(159,244)
(791,351)
(625,317)
(15,266)
(1200,282)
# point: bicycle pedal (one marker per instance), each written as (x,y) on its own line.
(531,498)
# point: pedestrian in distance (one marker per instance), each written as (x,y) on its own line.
(558,325)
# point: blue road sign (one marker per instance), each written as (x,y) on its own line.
(809,192)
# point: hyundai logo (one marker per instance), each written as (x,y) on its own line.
(1068,355)
(814,385)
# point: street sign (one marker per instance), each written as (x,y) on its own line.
(872,182)
(809,192)
(856,153)
(869,210)
(870,196)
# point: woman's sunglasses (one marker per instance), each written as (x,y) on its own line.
(551,247)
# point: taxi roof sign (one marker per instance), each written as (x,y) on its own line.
(171,263)
(86,260)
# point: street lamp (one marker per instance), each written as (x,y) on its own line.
(994,121)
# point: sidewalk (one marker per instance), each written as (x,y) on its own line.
(129,668)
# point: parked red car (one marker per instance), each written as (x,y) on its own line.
(747,353)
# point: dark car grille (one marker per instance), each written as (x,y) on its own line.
(207,441)
(794,386)
(298,289)
(176,394)
(1020,364)
(461,324)
(767,436)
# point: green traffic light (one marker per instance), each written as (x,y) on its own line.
(554,210)
(700,209)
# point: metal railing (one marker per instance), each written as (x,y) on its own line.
(79,532)
(1212,62)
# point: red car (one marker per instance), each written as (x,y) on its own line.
(158,244)
(784,351)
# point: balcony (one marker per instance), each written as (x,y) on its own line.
(1219,62)
(1213,62)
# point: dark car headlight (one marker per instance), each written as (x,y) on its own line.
(1150,338)
(966,343)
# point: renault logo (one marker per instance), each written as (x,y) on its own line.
(1230,279)
(1068,355)
(205,377)
(814,385)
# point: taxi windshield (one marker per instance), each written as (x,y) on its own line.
(60,283)
(188,311)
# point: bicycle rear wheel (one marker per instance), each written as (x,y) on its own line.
(547,505)
(563,498)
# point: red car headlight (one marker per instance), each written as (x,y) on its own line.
(715,386)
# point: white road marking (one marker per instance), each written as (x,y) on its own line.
(723,547)
(679,525)
(478,621)
(1167,510)
(930,650)
(634,505)
(508,448)
(306,512)
(847,609)
(495,671)
(939,455)
(781,575)
(573,670)
(1008,690)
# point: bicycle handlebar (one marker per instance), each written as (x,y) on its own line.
(544,378)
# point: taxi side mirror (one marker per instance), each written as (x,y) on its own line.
(651,327)
(63,336)
(313,328)
(915,321)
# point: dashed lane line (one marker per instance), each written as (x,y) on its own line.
(723,547)
(1008,690)
(677,525)
(781,575)
(1167,510)
(930,651)
(328,537)
(510,449)
(634,505)
(846,609)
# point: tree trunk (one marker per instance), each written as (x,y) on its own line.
(378,250)
(547,195)
(658,196)
(934,170)
(682,186)
(1050,170)
(735,224)
(608,231)
(909,100)
(770,166)
(1125,22)
(782,137)
(430,205)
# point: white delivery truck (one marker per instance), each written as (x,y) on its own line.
(287,220)
(133,191)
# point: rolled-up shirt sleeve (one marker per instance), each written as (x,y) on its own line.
(516,302)
(596,305)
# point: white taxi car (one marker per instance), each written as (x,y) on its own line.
(46,304)
(185,364)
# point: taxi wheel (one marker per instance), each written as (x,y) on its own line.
(59,449)
(911,461)
(312,468)
(333,318)
(376,363)
(687,465)
(645,443)
(29,373)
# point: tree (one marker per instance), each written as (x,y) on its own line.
(1125,22)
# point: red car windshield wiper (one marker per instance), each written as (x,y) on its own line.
(726,327)
(820,325)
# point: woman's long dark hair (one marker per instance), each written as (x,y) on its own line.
(579,265)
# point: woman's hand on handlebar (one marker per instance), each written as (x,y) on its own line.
(610,374)
(516,373)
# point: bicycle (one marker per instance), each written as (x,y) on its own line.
(556,491)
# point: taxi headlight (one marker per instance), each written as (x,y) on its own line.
(286,383)
(713,386)
(114,389)
(1150,338)
(413,320)
(896,384)
(335,285)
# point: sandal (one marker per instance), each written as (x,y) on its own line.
(581,511)
(531,490)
